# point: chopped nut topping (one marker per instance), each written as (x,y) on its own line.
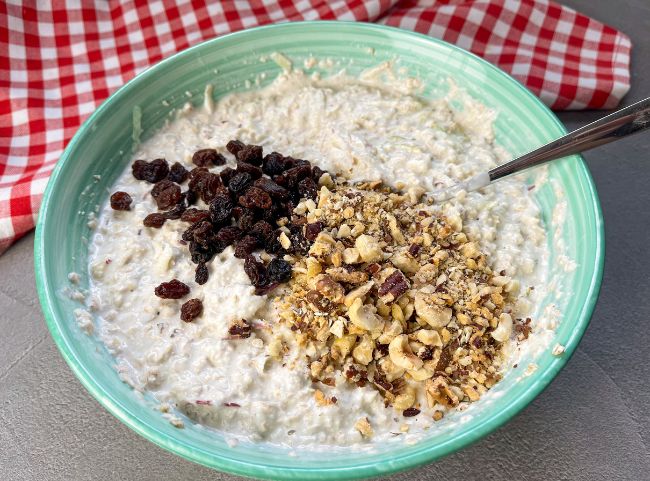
(394,295)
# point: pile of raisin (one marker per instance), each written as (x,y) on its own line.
(243,207)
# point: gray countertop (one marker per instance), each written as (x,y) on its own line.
(593,422)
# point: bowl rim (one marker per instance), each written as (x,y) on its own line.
(363,469)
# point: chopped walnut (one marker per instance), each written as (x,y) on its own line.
(329,288)
(364,427)
(394,286)
(239,329)
(341,274)
(396,296)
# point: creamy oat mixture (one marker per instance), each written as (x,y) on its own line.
(360,130)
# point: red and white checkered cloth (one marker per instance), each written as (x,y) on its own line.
(59,60)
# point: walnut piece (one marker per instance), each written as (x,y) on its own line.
(364,427)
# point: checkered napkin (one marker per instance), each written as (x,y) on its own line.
(59,60)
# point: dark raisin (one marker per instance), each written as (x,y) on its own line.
(239,182)
(203,254)
(207,157)
(152,172)
(273,245)
(197,172)
(294,175)
(295,198)
(235,146)
(274,190)
(194,215)
(176,212)
(200,177)
(274,164)
(255,172)
(203,234)
(221,209)
(251,154)
(203,158)
(246,218)
(255,271)
(205,183)
(317,173)
(166,194)
(227,174)
(308,188)
(201,275)
(301,163)
(289,162)
(190,197)
(281,180)
(227,235)
(178,173)
(255,198)
(173,289)
(279,270)
(245,246)
(290,206)
(155,220)
(273,214)
(263,290)
(188,234)
(219,160)
(121,201)
(262,231)
(395,284)
(312,230)
(410,412)
(191,309)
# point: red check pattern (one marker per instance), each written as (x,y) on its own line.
(59,61)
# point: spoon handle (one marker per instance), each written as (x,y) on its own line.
(621,123)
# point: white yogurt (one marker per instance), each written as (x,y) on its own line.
(341,125)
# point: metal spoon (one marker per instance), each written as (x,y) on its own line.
(621,123)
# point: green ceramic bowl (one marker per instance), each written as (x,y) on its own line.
(102,148)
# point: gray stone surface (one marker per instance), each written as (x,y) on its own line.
(592,422)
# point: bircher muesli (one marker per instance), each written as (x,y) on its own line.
(271,264)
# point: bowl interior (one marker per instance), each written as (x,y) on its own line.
(102,148)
